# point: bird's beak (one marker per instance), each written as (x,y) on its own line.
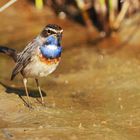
(59,36)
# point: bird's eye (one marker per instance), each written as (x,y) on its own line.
(49,31)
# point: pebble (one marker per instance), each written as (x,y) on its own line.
(80,126)
(66,81)
(119,99)
(40,127)
(121,107)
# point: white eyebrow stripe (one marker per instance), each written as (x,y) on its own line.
(51,30)
(61,31)
(54,30)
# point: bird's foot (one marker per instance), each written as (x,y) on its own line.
(28,104)
(41,102)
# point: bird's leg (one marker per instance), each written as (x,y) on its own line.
(37,82)
(25,86)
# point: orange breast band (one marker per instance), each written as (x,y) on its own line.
(49,61)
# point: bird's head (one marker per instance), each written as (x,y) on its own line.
(52,34)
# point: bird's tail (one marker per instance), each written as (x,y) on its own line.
(10,52)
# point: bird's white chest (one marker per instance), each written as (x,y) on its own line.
(39,68)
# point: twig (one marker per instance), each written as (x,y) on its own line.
(7,5)
(121,15)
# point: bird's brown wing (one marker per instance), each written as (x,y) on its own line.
(24,58)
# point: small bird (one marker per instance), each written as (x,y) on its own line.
(39,58)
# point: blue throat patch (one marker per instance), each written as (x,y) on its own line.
(51,49)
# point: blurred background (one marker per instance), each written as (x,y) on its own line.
(95,92)
(96,18)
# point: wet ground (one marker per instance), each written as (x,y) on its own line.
(94,93)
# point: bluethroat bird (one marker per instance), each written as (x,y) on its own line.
(39,58)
